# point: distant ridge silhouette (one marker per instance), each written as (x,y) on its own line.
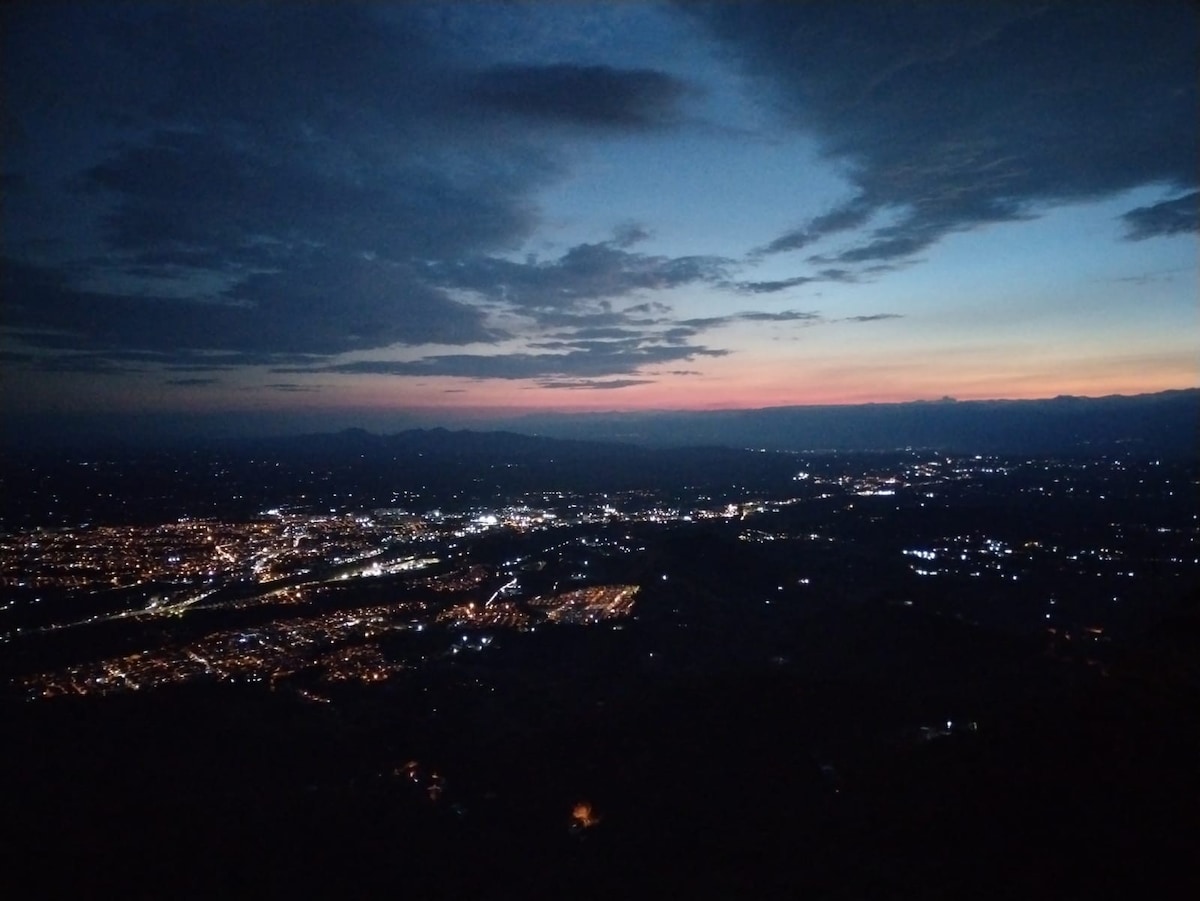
(1163,423)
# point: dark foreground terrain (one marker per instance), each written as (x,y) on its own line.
(787,781)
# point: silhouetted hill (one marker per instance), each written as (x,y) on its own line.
(489,462)
(1164,423)
(1158,424)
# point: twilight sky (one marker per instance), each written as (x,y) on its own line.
(455,209)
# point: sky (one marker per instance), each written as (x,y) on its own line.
(314,212)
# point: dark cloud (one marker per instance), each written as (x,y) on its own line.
(191,382)
(843,218)
(774,286)
(201,198)
(782,316)
(59,351)
(86,364)
(628,234)
(596,360)
(692,326)
(592,318)
(904,244)
(1170,217)
(307,182)
(591,96)
(294,388)
(586,272)
(594,384)
(326,307)
(352,304)
(649,308)
(599,333)
(605,348)
(950,116)
(874,317)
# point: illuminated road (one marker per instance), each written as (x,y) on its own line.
(157,607)
(503,588)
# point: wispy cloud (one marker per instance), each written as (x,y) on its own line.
(295,388)
(191,382)
(954,116)
(585,272)
(1170,217)
(709,322)
(593,384)
(874,317)
(595,360)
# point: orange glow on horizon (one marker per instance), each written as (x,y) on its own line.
(725,384)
